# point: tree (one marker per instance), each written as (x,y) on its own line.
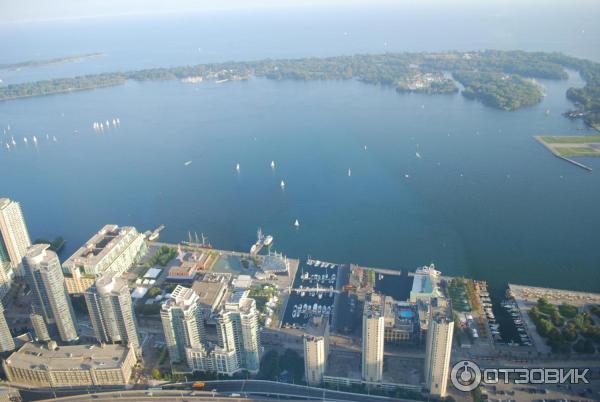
(291,361)
(269,366)
(156,374)
(154,291)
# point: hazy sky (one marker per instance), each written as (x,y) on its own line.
(33,10)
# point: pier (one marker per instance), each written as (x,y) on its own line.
(581,165)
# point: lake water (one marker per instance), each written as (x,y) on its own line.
(485,200)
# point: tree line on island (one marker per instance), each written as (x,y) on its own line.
(499,79)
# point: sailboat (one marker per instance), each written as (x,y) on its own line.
(272,164)
(297,223)
(34,139)
(282,184)
(25,140)
(188,163)
(237,167)
(54,138)
(418,155)
(349,172)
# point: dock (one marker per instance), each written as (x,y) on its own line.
(156,233)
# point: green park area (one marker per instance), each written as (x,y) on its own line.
(570,146)
(566,328)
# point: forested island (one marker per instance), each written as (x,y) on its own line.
(500,79)
(46,62)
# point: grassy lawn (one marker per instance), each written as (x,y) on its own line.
(577,151)
(569,139)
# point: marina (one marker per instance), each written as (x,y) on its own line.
(313,292)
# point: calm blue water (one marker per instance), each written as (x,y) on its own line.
(485,200)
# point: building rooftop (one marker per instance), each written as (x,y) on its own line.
(78,357)
(152,273)
(242,282)
(181,297)
(100,245)
(39,253)
(210,290)
(316,327)
(374,306)
(107,283)
(274,263)
(4,202)
(425,283)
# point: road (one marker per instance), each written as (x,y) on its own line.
(254,389)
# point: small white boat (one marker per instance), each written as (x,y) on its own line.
(349,172)
(34,139)
(12,139)
(365,147)
(418,155)
(188,163)
(272,164)
(25,140)
(237,167)
(7,146)
(268,240)
(297,223)
(406,176)
(54,138)
(118,121)
(282,184)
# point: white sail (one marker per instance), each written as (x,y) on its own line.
(282,184)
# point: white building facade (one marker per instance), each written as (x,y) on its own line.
(111,311)
(50,299)
(183,324)
(14,242)
(373,328)
(437,355)
(316,350)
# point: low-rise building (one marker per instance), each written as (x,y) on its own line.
(425,284)
(8,394)
(113,248)
(211,290)
(39,365)
(215,359)
(399,320)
